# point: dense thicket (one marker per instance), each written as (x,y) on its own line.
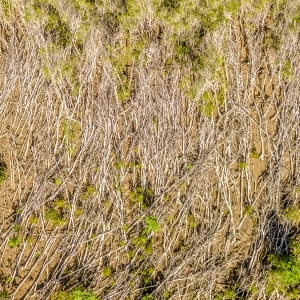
(149,149)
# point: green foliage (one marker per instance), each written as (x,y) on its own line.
(272,41)
(60,203)
(17,228)
(90,190)
(254,154)
(248,210)
(78,211)
(6,8)
(167,294)
(292,214)
(297,189)
(171,4)
(229,293)
(37,254)
(232,7)
(140,240)
(29,240)
(284,275)
(52,215)
(183,50)
(120,164)
(33,220)
(147,297)
(107,271)
(287,70)
(253,289)
(71,130)
(60,70)
(242,165)
(77,293)
(14,242)
(151,225)
(122,58)
(146,275)
(57,181)
(208,104)
(56,28)
(141,196)
(192,221)
(4,295)
(3,175)
(189,167)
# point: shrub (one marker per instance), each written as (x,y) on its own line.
(292,214)
(284,275)
(77,293)
(141,196)
(90,190)
(147,297)
(14,242)
(57,181)
(107,271)
(52,215)
(248,210)
(151,225)
(229,293)
(71,130)
(192,221)
(242,165)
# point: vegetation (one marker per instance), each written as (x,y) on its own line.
(2,175)
(14,242)
(151,148)
(284,275)
(75,294)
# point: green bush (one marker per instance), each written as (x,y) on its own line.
(284,276)
(77,293)
(151,225)
(52,215)
(14,242)
(56,28)
(107,271)
(292,214)
(248,210)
